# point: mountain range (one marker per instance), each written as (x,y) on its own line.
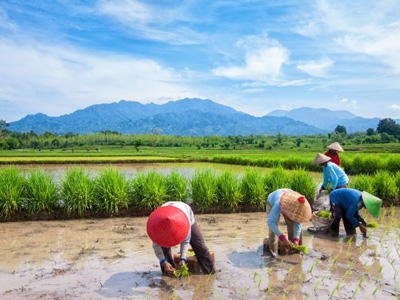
(191,117)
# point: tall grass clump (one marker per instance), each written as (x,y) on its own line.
(253,189)
(177,186)
(278,178)
(397,180)
(301,182)
(228,189)
(363,183)
(12,190)
(393,164)
(204,188)
(41,192)
(148,190)
(111,190)
(385,187)
(77,191)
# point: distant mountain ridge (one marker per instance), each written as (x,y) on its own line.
(191,117)
(188,117)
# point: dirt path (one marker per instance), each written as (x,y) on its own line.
(113,259)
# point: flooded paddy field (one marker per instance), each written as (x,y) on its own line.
(114,259)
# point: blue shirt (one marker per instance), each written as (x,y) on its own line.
(333,173)
(350,200)
(275,200)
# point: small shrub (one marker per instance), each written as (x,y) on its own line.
(278,178)
(301,182)
(77,191)
(111,191)
(148,190)
(363,183)
(177,187)
(385,187)
(204,188)
(41,192)
(253,189)
(228,189)
(12,190)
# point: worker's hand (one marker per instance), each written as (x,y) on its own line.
(295,244)
(168,267)
(286,243)
(364,223)
(181,263)
(363,230)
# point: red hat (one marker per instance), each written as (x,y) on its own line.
(168,226)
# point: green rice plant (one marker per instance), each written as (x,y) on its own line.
(301,182)
(302,248)
(253,189)
(278,178)
(204,188)
(375,290)
(363,183)
(372,225)
(397,180)
(312,267)
(324,214)
(228,190)
(183,271)
(259,281)
(111,190)
(177,186)
(41,192)
(12,190)
(385,187)
(77,191)
(148,190)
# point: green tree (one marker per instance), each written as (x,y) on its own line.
(370,131)
(2,137)
(155,133)
(299,140)
(341,129)
(389,126)
(279,138)
(138,143)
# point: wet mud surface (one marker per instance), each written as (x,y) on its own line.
(114,259)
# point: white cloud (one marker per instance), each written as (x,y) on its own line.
(316,68)
(264,59)
(344,100)
(395,106)
(155,22)
(64,79)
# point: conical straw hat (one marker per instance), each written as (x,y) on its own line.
(168,226)
(372,203)
(335,146)
(320,158)
(296,207)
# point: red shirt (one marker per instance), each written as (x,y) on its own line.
(334,158)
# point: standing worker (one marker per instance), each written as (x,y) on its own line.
(172,224)
(332,173)
(295,209)
(333,153)
(346,206)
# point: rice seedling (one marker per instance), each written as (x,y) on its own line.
(307,296)
(349,265)
(254,276)
(77,191)
(208,279)
(299,276)
(283,296)
(213,288)
(197,288)
(41,192)
(290,270)
(316,285)
(301,181)
(302,248)
(270,270)
(359,285)
(312,267)
(375,290)
(324,214)
(269,288)
(368,269)
(228,190)
(280,264)
(372,225)
(340,241)
(259,281)
(204,188)
(293,287)
(252,187)
(176,185)
(148,190)
(12,187)
(111,190)
(244,292)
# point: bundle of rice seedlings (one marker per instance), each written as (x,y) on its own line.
(302,248)
(372,225)
(325,214)
(183,271)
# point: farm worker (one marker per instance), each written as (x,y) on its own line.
(172,224)
(332,173)
(346,206)
(295,209)
(333,153)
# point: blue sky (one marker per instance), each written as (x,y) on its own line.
(57,56)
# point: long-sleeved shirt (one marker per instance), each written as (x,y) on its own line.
(184,247)
(351,201)
(334,158)
(333,173)
(275,200)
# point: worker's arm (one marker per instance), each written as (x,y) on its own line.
(334,178)
(296,232)
(273,218)
(351,214)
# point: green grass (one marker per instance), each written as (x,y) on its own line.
(204,188)
(253,189)
(42,192)
(228,190)
(12,190)
(177,187)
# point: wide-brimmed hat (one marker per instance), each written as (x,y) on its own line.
(320,158)
(335,146)
(296,207)
(372,203)
(168,226)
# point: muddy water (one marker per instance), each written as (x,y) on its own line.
(113,259)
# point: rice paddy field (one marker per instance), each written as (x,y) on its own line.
(114,259)
(85,243)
